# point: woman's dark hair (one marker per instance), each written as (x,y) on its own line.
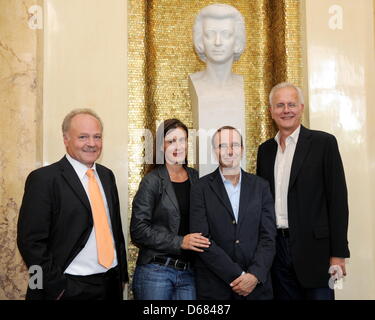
(164,127)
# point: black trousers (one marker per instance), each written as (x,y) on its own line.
(101,286)
(284,279)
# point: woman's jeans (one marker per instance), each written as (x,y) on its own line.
(158,282)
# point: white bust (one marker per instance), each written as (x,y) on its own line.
(219,39)
(217,94)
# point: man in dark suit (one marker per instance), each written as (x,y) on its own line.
(306,175)
(235,210)
(69,222)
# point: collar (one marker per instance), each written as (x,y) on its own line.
(226,180)
(294,136)
(79,167)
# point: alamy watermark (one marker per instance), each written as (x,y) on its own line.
(199,140)
(36,277)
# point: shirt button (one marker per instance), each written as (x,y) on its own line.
(234,221)
(237,241)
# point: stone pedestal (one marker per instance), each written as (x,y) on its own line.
(213,108)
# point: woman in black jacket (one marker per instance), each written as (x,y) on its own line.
(160,221)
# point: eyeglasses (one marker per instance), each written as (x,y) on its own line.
(291,105)
(225,146)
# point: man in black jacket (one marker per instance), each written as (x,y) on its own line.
(69,223)
(235,210)
(306,175)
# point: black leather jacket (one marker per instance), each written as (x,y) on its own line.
(155,217)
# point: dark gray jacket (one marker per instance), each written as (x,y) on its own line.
(155,217)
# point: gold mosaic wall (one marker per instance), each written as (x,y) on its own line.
(161,56)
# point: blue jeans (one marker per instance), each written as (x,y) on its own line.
(157,282)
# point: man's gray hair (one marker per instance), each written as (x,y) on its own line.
(68,118)
(219,11)
(286,85)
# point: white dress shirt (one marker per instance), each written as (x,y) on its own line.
(283,165)
(233,193)
(86,262)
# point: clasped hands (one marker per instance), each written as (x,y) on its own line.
(244,284)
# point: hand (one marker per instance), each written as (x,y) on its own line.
(340,262)
(244,284)
(194,241)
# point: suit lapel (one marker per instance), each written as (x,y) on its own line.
(73,181)
(163,173)
(106,184)
(270,165)
(302,148)
(217,186)
(193,178)
(246,187)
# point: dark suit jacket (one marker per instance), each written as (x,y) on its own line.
(317,203)
(55,222)
(156,216)
(248,245)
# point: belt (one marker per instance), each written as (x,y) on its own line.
(283,233)
(110,274)
(174,263)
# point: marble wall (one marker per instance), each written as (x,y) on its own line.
(20,129)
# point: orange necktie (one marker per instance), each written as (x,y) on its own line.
(104,241)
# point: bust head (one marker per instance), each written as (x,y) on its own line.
(219,33)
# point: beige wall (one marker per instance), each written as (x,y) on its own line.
(85,65)
(340,70)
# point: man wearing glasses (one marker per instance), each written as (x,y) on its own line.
(235,210)
(307,180)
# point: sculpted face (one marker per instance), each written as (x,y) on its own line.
(219,39)
(83,141)
(175,146)
(286,110)
(228,149)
